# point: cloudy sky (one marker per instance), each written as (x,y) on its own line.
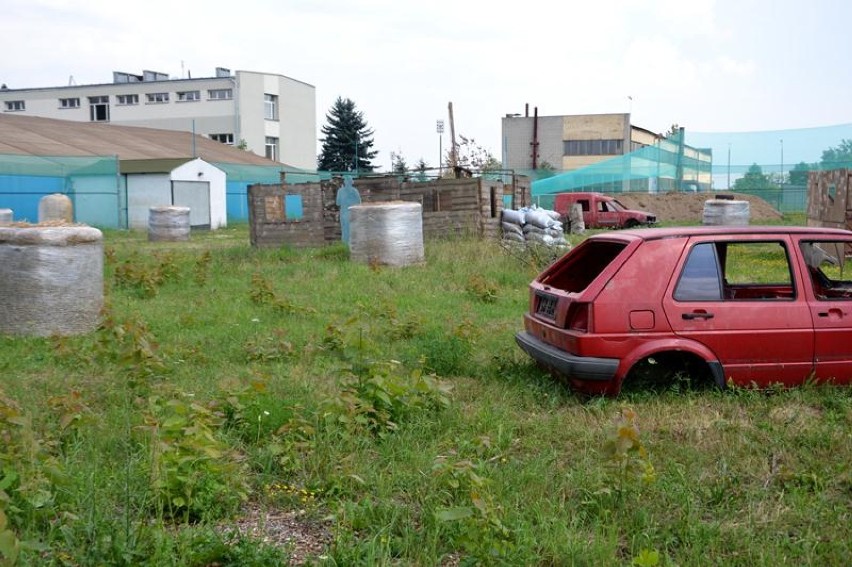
(707,65)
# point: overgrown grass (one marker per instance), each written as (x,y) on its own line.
(391,408)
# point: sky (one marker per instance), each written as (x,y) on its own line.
(710,66)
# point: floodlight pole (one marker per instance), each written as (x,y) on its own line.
(729,166)
(439,126)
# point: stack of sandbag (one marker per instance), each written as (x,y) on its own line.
(533,225)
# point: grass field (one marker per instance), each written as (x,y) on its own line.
(377,416)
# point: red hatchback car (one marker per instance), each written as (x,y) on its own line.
(753,306)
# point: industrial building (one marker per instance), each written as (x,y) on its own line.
(602,152)
(271,115)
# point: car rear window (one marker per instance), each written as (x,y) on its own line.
(701,279)
(582,265)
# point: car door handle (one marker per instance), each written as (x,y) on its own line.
(831,313)
(697,315)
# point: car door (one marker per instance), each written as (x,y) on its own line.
(739,296)
(588,214)
(828,271)
(607,214)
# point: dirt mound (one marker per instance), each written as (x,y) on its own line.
(689,207)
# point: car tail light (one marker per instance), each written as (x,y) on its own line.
(578,317)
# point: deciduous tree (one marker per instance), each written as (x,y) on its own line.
(753,179)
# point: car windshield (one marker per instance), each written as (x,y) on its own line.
(618,206)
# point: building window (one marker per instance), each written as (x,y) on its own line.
(593,147)
(99,108)
(127,99)
(270,110)
(69,103)
(189,96)
(157,98)
(220,94)
(15,105)
(223,138)
(272,148)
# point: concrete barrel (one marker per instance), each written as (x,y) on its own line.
(388,233)
(168,224)
(6,216)
(55,207)
(51,280)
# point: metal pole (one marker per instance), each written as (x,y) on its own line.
(782,161)
(439,127)
(729,166)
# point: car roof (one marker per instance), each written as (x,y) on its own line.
(687,231)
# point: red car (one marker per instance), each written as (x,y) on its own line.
(752,306)
(601,211)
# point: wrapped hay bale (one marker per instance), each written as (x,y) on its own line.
(55,207)
(6,216)
(388,233)
(168,224)
(726,212)
(51,280)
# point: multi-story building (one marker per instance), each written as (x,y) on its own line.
(271,115)
(591,145)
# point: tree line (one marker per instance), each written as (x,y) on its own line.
(835,157)
(347,146)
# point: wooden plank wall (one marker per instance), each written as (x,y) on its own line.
(466,206)
(827,207)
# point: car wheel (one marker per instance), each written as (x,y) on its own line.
(676,371)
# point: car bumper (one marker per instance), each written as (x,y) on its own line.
(583,368)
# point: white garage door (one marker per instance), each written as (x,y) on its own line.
(196,196)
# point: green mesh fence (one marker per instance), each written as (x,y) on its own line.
(772,164)
(92,184)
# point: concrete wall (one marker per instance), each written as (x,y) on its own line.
(518,136)
(595,127)
(296,124)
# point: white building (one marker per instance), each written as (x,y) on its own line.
(271,115)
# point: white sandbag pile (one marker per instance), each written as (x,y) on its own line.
(533,225)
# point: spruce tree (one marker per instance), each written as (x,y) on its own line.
(345,134)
